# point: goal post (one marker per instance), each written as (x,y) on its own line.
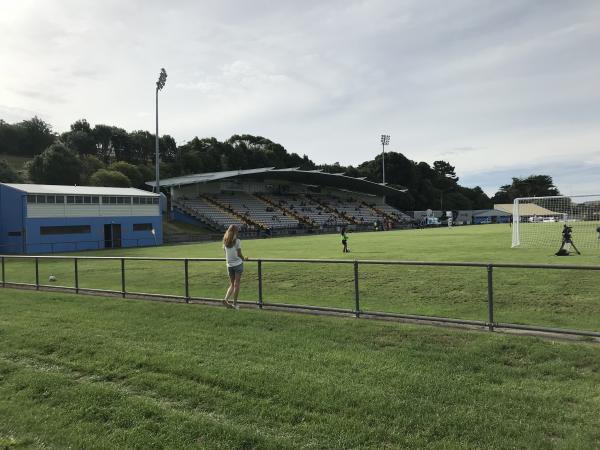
(538,222)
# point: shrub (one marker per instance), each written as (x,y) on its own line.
(104,177)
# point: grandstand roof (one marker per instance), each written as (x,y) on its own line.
(525,209)
(77,190)
(315,177)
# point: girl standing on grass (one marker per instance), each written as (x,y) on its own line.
(235,265)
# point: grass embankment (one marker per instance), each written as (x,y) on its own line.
(171,227)
(557,298)
(16,162)
(88,372)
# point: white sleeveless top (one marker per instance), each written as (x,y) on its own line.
(231,254)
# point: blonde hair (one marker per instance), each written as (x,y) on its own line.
(230,236)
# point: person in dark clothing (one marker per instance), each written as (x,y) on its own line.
(345,241)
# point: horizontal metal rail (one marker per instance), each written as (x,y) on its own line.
(418,317)
(515,326)
(321,261)
(308,307)
(261,303)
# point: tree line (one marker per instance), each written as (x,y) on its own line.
(105,155)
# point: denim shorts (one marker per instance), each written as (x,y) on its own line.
(235,269)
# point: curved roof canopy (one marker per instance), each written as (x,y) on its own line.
(313,177)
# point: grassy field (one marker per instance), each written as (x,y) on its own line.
(557,298)
(89,372)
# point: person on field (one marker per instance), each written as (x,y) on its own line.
(235,265)
(345,248)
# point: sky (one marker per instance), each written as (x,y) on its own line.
(500,89)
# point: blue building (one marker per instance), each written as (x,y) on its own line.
(37,218)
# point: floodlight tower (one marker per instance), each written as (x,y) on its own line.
(385,140)
(162,79)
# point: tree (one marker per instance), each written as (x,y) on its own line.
(532,186)
(130,171)
(8,174)
(80,138)
(55,165)
(111,178)
(80,142)
(102,137)
(26,138)
(445,169)
(142,146)
(147,172)
(399,170)
(191,162)
(81,125)
(478,198)
(455,200)
(10,139)
(37,135)
(121,144)
(445,176)
(89,164)
(167,148)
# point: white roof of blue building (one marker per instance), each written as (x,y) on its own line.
(77,190)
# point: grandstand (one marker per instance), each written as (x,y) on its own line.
(208,213)
(283,201)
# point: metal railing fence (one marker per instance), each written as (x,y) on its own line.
(75,246)
(260,302)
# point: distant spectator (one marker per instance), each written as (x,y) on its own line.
(344,241)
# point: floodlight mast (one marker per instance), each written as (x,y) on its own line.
(162,79)
(385,140)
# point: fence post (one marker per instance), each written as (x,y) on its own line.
(123,277)
(37,274)
(260,290)
(187,281)
(490,286)
(356,291)
(3,274)
(76,270)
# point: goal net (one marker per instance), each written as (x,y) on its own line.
(539,221)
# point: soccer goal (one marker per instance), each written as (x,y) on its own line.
(539,221)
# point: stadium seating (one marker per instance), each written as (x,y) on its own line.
(311,211)
(392,213)
(256,210)
(288,212)
(351,209)
(210,214)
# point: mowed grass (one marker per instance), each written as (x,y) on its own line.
(557,298)
(90,372)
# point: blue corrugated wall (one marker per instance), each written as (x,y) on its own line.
(12,212)
(37,243)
